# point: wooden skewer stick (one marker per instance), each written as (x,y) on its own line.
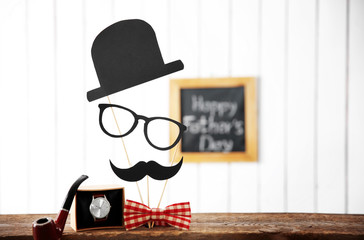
(149,223)
(127,156)
(165,183)
(148,188)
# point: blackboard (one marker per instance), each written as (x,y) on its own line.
(221,119)
(214,118)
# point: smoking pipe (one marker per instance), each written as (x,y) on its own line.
(47,229)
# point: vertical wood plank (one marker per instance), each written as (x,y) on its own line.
(156,97)
(123,10)
(331,106)
(272,106)
(215,32)
(215,60)
(300,106)
(71,99)
(244,62)
(185,36)
(142,99)
(99,147)
(356,110)
(42,106)
(146,97)
(184,45)
(245,38)
(157,15)
(127,9)
(14,126)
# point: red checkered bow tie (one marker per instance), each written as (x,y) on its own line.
(177,215)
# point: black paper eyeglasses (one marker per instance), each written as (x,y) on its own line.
(128,121)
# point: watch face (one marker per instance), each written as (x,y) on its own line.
(100,207)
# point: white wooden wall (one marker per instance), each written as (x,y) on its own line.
(308,56)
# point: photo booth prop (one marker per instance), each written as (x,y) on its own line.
(127,54)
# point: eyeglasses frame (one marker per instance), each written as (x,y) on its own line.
(147,120)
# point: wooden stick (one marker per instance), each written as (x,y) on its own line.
(148,188)
(149,223)
(165,183)
(127,156)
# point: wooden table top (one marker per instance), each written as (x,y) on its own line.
(213,226)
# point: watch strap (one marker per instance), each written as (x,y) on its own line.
(98,195)
(100,219)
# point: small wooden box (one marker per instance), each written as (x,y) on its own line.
(81,218)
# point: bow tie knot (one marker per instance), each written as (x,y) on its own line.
(157,214)
(137,214)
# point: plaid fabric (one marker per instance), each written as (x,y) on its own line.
(137,214)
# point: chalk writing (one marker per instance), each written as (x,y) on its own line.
(214,120)
(213,107)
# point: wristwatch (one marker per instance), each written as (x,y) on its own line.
(99,207)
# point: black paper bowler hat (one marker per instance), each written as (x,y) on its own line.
(127,54)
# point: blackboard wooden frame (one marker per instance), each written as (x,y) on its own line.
(249,84)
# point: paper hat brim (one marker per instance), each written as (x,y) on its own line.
(167,69)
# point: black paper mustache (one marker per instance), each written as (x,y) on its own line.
(142,169)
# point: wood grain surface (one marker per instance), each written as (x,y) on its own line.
(214,226)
